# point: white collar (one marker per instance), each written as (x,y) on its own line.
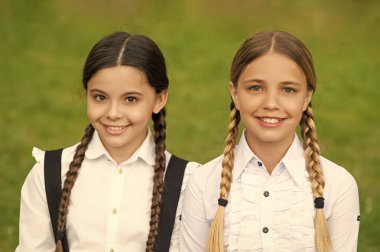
(146,151)
(293,160)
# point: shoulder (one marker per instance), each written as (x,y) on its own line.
(39,156)
(191,166)
(35,177)
(67,153)
(340,185)
(335,175)
(208,174)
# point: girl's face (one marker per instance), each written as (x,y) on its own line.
(120,103)
(271,95)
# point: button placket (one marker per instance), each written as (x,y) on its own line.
(266,212)
(115,197)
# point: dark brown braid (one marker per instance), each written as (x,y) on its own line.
(158,178)
(71,177)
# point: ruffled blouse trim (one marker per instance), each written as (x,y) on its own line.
(291,222)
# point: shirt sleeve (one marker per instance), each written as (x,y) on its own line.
(174,243)
(194,226)
(343,224)
(35,231)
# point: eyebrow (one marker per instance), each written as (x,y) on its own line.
(124,94)
(288,82)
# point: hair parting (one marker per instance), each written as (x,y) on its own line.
(215,238)
(71,177)
(254,47)
(158,177)
(138,51)
(119,58)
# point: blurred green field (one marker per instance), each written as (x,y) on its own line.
(43,45)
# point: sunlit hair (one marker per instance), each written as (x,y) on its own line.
(124,49)
(253,48)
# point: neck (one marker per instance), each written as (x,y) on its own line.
(123,153)
(270,153)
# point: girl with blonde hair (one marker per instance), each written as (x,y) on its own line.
(276,193)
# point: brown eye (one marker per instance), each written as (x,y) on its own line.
(131,99)
(99,97)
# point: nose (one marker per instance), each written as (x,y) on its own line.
(271,100)
(114,111)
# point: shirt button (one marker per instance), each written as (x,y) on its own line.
(266,193)
(112,250)
(114,211)
(260,164)
(120,171)
(265,230)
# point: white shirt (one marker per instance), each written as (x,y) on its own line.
(270,212)
(109,206)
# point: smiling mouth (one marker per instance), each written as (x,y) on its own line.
(270,120)
(115,129)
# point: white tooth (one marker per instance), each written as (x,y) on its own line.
(115,128)
(271,120)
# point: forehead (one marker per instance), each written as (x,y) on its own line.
(119,78)
(273,67)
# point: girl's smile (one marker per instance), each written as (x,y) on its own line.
(120,103)
(270,122)
(116,130)
(271,95)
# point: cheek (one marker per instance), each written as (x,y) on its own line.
(93,112)
(90,114)
(140,114)
(249,104)
(296,108)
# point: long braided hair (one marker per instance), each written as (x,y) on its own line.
(124,49)
(254,47)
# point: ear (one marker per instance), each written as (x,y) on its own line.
(161,100)
(234,96)
(309,94)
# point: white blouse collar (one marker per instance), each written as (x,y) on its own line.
(145,151)
(243,155)
(293,160)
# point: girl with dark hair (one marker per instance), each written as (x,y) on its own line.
(113,188)
(275,193)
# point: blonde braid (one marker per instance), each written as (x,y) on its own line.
(215,238)
(312,152)
(71,177)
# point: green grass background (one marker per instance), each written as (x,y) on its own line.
(43,45)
